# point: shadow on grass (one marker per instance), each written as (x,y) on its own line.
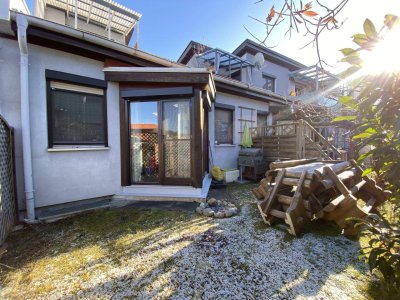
(145,254)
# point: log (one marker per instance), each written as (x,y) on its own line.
(336,202)
(290,163)
(371,188)
(293,174)
(336,168)
(295,182)
(346,175)
(277,213)
(285,200)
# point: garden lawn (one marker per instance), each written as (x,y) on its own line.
(165,254)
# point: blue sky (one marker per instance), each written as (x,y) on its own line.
(167,26)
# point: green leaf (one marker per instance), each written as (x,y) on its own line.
(344,118)
(362,135)
(348,51)
(364,156)
(370,30)
(366,172)
(391,21)
(352,59)
(345,99)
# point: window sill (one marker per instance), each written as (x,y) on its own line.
(225,145)
(77,148)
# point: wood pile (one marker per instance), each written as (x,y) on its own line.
(299,191)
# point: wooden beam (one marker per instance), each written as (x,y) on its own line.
(196,147)
(296,212)
(192,78)
(272,199)
(291,163)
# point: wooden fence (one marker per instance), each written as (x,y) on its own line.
(7,180)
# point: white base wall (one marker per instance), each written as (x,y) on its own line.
(169,192)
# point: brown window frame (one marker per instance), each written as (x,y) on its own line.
(81,81)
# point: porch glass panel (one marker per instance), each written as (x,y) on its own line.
(176,139)
(144,142)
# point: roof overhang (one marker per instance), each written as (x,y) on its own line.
(189,76)
(191,49)
(245,90)
(60,37)
(248,46)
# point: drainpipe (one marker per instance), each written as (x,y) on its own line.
(22,24)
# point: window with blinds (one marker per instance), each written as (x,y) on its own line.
(77,115)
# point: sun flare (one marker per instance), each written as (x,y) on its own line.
(385,57)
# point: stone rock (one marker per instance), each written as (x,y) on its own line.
(231,211)
(199,209)
(208,212)
(224,203)
(228,213)
(203,205)
(219,202)
(212,201)
(219,214)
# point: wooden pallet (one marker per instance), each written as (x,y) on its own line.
(300,190)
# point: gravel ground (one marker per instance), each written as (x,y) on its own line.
(181,255)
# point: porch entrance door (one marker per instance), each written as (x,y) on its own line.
(160,142)
(176,141)
(144,142)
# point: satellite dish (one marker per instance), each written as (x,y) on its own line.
(259,60)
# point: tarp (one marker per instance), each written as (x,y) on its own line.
(247,141)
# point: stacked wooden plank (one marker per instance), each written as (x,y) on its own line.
(299,191)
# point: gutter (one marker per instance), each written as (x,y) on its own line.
(62,29)
(22,25)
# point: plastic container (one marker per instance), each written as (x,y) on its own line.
(230,175)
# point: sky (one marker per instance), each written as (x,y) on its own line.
(167,26)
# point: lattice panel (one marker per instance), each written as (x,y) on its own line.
(177,158)
(145,163)
(7,196)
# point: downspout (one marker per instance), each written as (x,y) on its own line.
(22,24)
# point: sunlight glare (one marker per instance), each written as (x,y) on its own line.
(385,56)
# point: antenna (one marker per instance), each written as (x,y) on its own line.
(259,60)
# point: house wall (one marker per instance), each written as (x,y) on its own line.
(225,156)
(59,177)
(283,84)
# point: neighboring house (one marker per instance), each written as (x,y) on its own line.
(253,83)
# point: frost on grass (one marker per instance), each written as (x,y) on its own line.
(154,254)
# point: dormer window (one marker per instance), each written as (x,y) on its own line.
(269,84)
